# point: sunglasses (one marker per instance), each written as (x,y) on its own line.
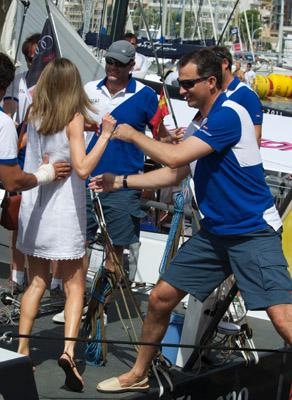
(189,83)
(116,63)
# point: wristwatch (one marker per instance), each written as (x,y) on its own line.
(125,182)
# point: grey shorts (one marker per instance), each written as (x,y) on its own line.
(256,259)
(122,213)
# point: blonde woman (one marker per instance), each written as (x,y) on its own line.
(52,221)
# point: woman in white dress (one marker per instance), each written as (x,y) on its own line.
(52,220)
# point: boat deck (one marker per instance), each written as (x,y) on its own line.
(207,384)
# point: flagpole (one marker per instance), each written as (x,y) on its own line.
(26,5)
(165,90)
(54,28)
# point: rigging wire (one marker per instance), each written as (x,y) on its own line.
(9,336)
(159,70)
(227,22)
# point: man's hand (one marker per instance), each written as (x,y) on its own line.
(174,136)
(124,132)
(106,183)
(91,127)
(177,135)
(62,168)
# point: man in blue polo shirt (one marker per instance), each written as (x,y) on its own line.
(131,102)
(239,91)
(240,226)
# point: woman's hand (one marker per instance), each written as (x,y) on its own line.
(108,125)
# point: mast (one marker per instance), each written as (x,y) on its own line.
(183,16)
(87,7)
(248,34)
(281,24)
(212,21)
(119,19)
(164,17)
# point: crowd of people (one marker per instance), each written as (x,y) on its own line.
(240,230)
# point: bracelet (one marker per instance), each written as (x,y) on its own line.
(125,182)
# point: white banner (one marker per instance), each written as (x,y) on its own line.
(276,147)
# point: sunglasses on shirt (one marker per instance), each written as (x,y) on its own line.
(189,83)
(116,63)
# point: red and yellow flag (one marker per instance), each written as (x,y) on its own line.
(162,111)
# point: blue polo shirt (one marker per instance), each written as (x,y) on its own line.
(8,140)
(230,188)
(247,98)
(135,105)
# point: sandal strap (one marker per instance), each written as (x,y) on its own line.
(72,362)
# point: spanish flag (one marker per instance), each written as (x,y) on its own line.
(162,111)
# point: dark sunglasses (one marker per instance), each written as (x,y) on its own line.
(116,63)
(189,83)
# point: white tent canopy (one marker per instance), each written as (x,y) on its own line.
(72,46)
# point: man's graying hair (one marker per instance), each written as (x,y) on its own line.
(207,64)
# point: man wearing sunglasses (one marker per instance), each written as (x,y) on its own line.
(239,229)
(131,102)
(239,91)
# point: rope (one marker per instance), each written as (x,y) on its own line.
(174,228)
(9,336)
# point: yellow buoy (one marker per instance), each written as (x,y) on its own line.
(263,86)
(282,85)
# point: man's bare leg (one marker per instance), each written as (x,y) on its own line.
(162,301)
(281,317)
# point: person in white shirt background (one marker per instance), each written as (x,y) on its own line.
(249,75)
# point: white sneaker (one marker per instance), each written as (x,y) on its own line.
(60,317)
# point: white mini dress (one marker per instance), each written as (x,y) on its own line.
(52,218)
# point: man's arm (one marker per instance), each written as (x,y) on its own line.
(14,179)
(182,154)
(159,178)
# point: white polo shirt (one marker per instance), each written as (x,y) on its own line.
(17,91)
(8,140)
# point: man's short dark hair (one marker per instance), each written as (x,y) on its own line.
(7,71)
(29,42)
(207,64)
(222,52)
(249,65)
(128,36)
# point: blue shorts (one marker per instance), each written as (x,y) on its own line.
(122,213)
(256,259)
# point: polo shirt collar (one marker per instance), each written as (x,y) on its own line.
(233,84)
(217,103)
(130,88)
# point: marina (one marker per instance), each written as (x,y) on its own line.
(212,350)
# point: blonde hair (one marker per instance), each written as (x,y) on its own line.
(58,95)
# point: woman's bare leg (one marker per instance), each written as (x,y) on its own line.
(39,278)
(17,266)
(74,286)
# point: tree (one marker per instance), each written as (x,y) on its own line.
(254,22)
